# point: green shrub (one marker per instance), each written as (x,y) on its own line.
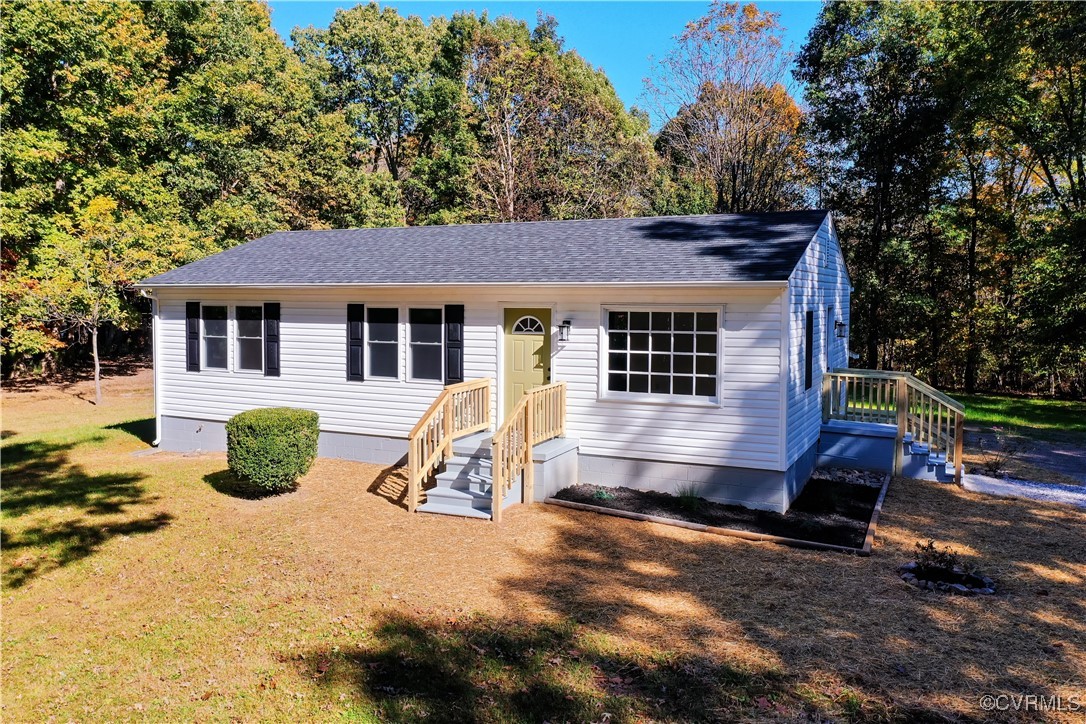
(272,447)
(930,559)
(689,498)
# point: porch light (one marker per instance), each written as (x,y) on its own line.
(563,330)
(840,328)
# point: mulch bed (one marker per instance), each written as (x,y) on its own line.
(829,510)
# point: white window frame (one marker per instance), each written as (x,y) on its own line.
(231,339)
(203,339)
(232,316)
(401,322)
(606,395)
(408,343)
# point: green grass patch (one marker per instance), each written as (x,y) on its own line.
(1038,416)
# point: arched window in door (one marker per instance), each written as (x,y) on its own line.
(528,325)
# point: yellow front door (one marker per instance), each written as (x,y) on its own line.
(527,352)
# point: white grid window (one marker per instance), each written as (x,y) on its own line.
(665,352)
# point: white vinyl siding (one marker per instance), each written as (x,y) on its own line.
(743,429)
(818,282)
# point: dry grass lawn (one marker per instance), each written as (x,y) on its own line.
(137,587)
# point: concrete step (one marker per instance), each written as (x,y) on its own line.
(482,467)
(465,481)
(919,449)
(915,463)
(458,510)
(473,446)
(466,499)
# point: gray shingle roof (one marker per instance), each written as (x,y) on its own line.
(711,248)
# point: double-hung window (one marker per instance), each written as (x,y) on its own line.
(664,353)
(233,337)
(249,336)
(383,341)
(216,336)
(425,344)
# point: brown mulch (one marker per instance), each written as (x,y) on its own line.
(827,511)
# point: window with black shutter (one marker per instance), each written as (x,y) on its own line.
(271,339)
(454,343)
(356,342)
(216,340)
(808,352)
(192,336)
(425,344)
(384,341)
(249,338)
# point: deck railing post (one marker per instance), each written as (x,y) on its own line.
(412,475)
(527,491)
(901,403)
(447,425)
(562,412)
(959,440)
(827,397)
(497,483)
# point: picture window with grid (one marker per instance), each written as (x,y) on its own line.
(662,352)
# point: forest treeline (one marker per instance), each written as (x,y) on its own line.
(947,138)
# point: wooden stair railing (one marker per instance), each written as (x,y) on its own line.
(540,415)
(897,398)
(460,409)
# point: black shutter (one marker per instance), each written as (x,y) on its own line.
(356,342)
(192,336)
(454,343)
(271,339)
(808,360)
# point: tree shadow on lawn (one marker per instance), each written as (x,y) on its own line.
(69,377)
(845,629)
(56,512)
(481,669)
(143,430)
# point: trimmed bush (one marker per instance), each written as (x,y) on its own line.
(272,447)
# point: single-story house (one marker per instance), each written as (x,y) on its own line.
(690,349)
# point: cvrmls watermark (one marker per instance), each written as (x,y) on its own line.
(1032,702)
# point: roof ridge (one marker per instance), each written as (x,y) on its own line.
(471,224)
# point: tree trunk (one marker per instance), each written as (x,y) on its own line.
(97,367)
(972,353)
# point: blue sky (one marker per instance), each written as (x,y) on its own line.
(617,36)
